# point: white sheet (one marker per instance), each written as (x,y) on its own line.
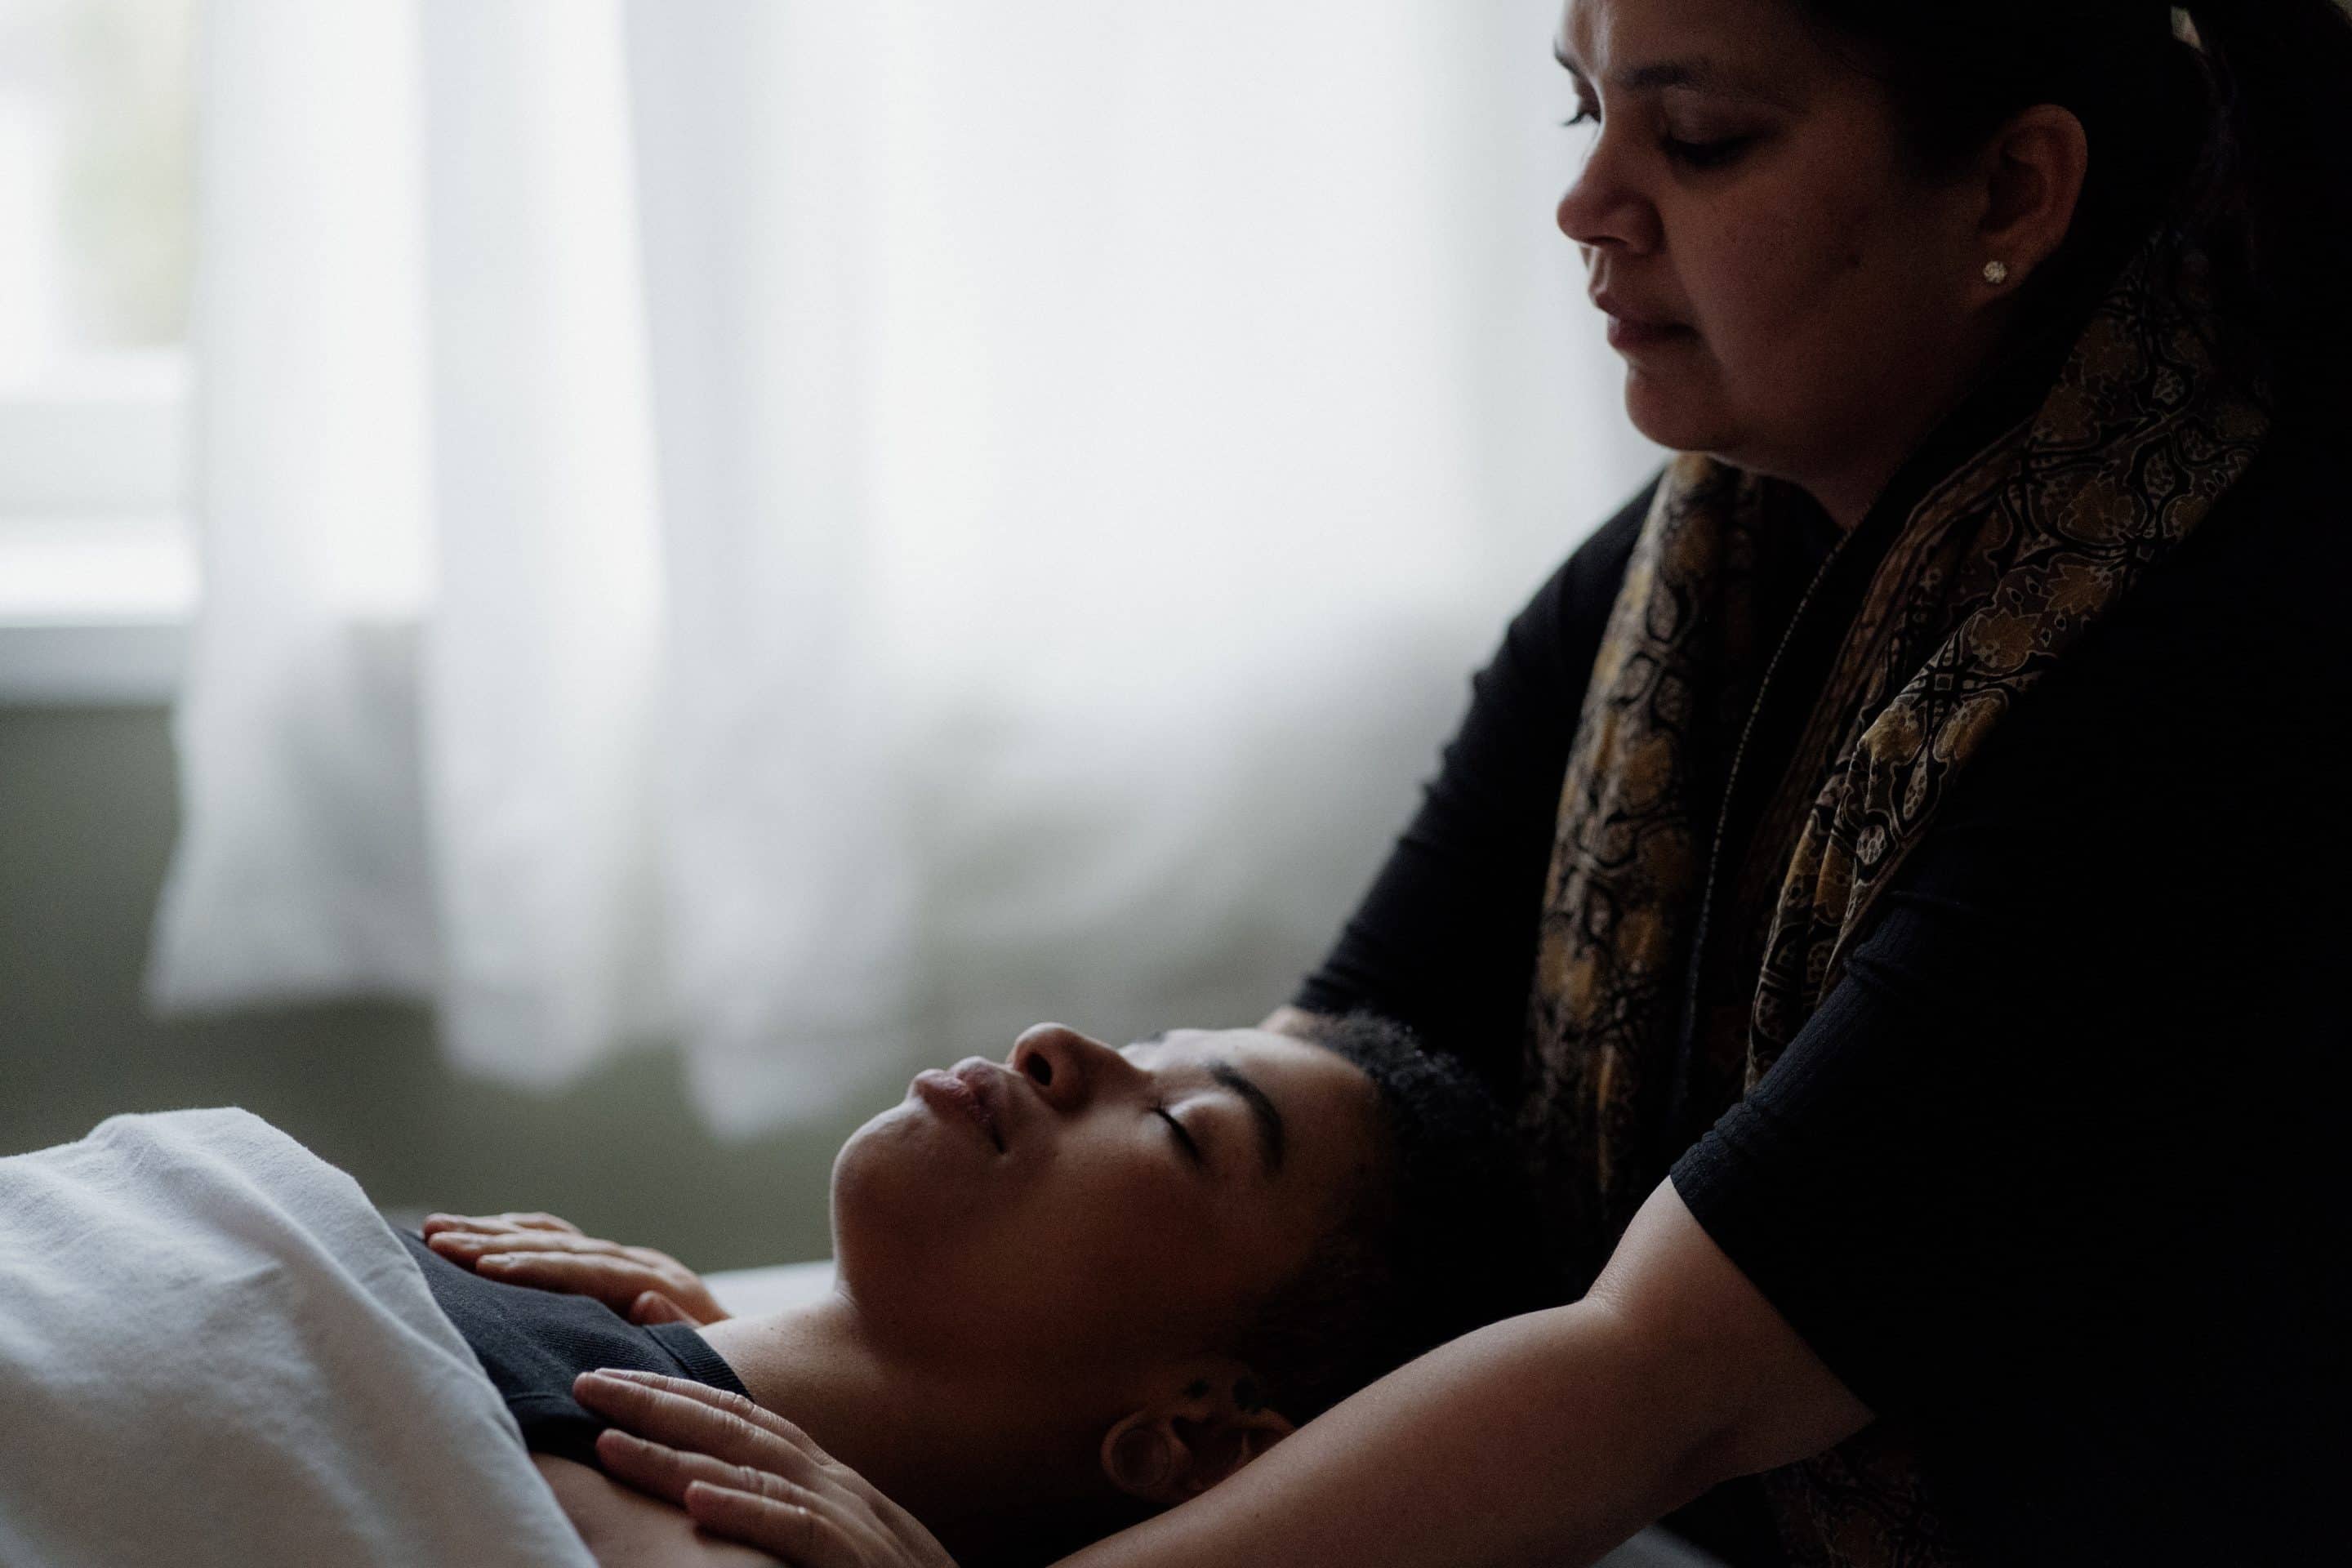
(213,1350)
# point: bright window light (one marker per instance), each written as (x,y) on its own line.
(97,134)
(96,141)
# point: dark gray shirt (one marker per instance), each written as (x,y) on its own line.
(532,1344)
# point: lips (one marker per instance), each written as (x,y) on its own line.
(1625,335)
(1631,328)
(1620,309)
(971,1090)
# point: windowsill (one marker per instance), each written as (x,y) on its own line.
(94,611)
(127,664)
(97,569)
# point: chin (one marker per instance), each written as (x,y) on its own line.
(1674,415)
(898,1209)
(893,1173)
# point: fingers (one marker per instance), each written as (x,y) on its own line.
(790,1530)
(651,1307)
(666,1472)
(581,1265)
(525,1239)
(617,1283)
(434,1222)
(748,1473)
(787,1525)
(696,1416)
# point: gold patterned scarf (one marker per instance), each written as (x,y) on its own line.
(1986,582)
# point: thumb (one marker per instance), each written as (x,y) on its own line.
(653,1306)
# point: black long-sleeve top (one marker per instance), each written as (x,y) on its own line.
(2047,1174)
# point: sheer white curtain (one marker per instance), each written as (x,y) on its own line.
(800,528)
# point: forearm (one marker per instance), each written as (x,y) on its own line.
(1547,1439)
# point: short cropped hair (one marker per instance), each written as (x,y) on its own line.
(1440,1240)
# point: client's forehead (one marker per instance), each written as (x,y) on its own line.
(1256,1053)
(1184,1045)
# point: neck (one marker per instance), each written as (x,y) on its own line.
(979,1462)
(1848,489)
(1849,492)
(1847,498)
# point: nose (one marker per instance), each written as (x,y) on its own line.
(1066,1067)
(1601,210)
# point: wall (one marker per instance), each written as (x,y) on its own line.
(86,810)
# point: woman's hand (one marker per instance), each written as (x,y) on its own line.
(623,1527)
(750,1475)
(551,1254)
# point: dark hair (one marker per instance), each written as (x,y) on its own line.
(1440,1241)
(2240,133)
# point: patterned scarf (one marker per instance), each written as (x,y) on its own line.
(1982,587)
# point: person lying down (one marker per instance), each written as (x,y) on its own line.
(1073,1289)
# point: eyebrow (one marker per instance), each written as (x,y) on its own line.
(1273,1133)
(1700,75)
(1272,1136)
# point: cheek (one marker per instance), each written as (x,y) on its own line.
(1120,1259)
(1797,292)
(1118,1226)
(1781,273)
(1101,1255)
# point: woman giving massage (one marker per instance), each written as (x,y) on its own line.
(1073,1289)
(1893,873)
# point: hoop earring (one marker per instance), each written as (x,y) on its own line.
(1996,273)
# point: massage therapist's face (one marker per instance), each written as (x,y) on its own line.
(1078,1210)
(1746,186)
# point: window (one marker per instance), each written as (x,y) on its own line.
(97,573)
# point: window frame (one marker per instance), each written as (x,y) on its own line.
(97,569)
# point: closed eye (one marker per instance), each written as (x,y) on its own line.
(1191,1149)
(1707,155)
(1692,155)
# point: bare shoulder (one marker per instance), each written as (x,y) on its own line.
(625,1529)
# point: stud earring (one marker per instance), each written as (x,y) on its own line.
(1996,273)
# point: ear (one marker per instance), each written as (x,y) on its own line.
(1181,1444)
(2033,175)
